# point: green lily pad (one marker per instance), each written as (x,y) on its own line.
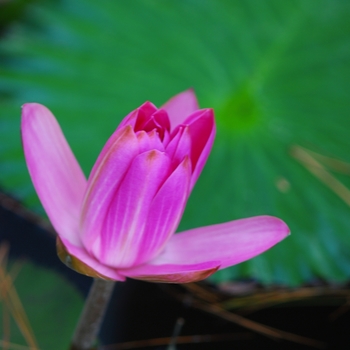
(275,72)
(51,306)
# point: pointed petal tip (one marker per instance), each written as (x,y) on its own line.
(31,105)
(27,108)
(211,112)
(147,104)
(35,110)
(280,225)
(180,106)
(190,92)
(204,113)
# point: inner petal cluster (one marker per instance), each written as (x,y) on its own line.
(138,210)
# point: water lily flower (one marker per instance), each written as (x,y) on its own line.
(121,221)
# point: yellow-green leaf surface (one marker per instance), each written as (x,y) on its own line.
(276,73)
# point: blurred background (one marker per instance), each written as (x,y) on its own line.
(277,74)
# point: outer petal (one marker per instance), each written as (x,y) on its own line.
(230,243)
(166,210)
(120,242)
(171,273)
(55,173)
(105,178)
(180,107)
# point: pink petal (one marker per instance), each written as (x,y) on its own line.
(56,175)
(169,273)
(139,116)
(180,107)
(202,131)
(166,210)
(81,254)
(104,181)
(149,141)
(160,121)
(179,146)
(136,119)
(230,243)
(120,241)
(145,113)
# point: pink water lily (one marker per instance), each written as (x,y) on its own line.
(121,221)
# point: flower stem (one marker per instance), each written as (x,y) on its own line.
(92,315)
